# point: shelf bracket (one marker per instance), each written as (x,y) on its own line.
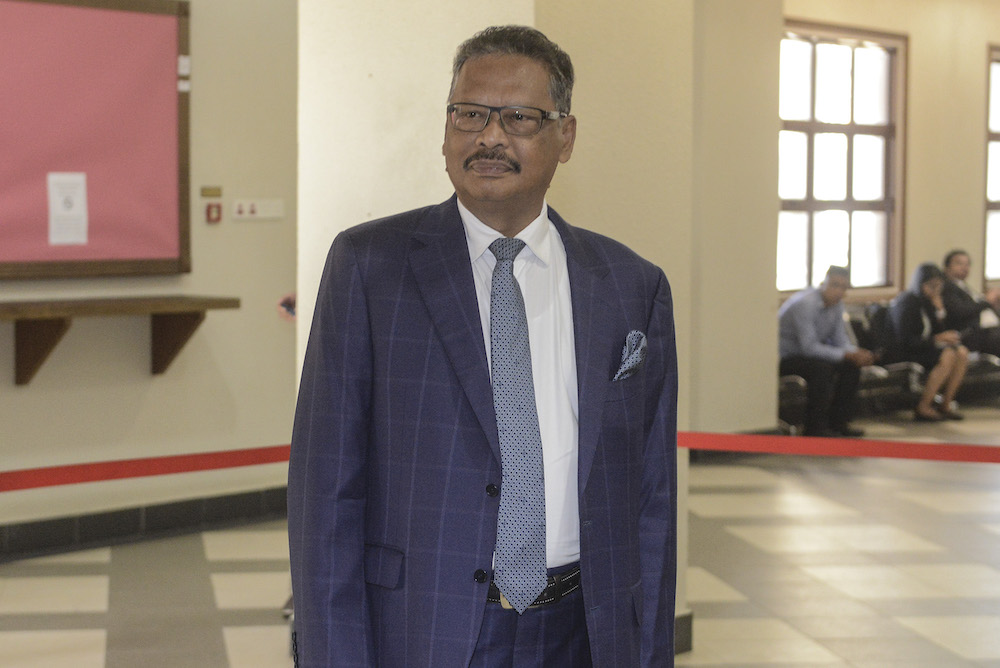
(170,331)
(34,341)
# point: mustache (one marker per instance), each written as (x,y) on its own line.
(496,154)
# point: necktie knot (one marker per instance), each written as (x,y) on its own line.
(506,248)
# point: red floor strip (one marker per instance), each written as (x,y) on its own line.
(139,468)
(835,447)
(786,445)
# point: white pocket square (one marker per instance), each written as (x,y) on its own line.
(633,355)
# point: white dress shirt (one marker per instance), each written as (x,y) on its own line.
(540,270)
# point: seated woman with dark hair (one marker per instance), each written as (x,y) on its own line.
(917,316)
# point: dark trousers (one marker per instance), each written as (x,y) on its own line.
(982,340)
(549,636)
(833,387)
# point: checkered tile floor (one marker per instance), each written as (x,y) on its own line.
(210,600)
(872,563)
(795,561)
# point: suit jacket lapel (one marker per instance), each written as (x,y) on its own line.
(441,267)
(593,300)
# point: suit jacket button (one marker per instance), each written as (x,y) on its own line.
(492,490)
(480,575)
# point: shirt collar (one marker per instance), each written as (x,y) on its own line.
(536,235)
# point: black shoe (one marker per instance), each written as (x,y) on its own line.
(848,431)
(920,417)
(952,415)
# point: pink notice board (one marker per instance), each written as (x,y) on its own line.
(93,138)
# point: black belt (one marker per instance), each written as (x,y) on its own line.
(559,585)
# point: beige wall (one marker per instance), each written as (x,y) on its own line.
(232,386)
(946,113)
(391,86)
(733,323)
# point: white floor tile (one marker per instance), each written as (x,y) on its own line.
(882,430)
(33,595)
(798,539)
(973,428)
(905,436)
(973,638)
(750,628)
(245,545)
(703,587)
(957,580)
(746,642)
(258,646)
(955,502)
(995,528)
(251,590)
(731,476)
(787,504)
(53,649)
(874,582)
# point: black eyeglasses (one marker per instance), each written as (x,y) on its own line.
(521,121)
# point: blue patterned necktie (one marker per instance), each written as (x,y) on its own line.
(519,560)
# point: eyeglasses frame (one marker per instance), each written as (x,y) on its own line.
(546,116)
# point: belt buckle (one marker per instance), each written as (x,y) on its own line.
(504,603)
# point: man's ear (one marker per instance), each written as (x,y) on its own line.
(567,133)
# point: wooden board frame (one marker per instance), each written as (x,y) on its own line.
(177,262)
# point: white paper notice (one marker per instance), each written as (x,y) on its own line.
(67,208)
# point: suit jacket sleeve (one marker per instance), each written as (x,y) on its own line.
(326,475)
(658,497)
(963,310)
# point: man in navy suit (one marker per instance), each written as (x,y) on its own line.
(395,478)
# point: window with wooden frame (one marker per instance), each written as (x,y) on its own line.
(840,156)
(992,264)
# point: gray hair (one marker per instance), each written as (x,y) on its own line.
(521,41)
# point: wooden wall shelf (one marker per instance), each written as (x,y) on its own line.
(40,325)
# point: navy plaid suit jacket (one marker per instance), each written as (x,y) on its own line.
(395,442)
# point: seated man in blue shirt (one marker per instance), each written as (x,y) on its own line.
(813,343)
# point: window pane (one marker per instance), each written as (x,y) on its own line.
(793,247)
(795,78)
(828,174)
(868,181)
(792,164)
(993,172)
(994,97)
(831,231)
(833,83)
(830,166)
(868,250)
(993,245)
(871,85)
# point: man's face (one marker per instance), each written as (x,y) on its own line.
(496,174)
(958,267)
(834,288)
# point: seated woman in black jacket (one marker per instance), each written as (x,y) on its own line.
(917,316)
